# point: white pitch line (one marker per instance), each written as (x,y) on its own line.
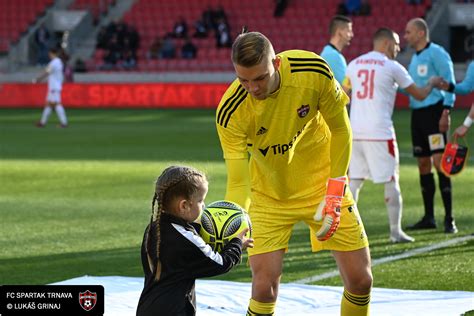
(406,254)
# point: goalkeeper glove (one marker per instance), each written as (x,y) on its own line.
(329,210)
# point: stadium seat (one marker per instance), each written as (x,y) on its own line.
(16,16)
(304,25)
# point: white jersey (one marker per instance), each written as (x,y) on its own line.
(55,77)
(374,80)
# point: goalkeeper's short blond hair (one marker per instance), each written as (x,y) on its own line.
(249,49)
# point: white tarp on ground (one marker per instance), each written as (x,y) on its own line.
(230,298)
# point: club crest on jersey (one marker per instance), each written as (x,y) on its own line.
(303,110)
(422,70)
(262,131)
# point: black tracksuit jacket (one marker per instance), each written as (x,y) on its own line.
(184,257)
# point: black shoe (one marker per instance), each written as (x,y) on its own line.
(450,226)
(424,223)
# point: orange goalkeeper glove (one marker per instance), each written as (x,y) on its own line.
(329,210)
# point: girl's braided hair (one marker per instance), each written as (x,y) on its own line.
(174,181)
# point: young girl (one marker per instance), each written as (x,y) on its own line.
(173,253)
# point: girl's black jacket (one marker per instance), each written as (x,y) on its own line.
(184,257)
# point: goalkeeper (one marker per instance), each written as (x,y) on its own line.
(286,140)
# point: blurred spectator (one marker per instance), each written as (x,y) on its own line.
(133,38)
(414,2)
(223,34)
(42,41)
(189,50)
(354,7)
(219,15)
(155,48)
(129,54)
(168,48)
(129,59)
(121,42)
(80,66)
(208,18)
(349,7)
(102,38)
(200,29)
(121,32)
(180,29)
(111,28)
(280,8)
(211,18)
(112,55)
(365,8)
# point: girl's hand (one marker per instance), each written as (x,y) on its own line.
(246,242)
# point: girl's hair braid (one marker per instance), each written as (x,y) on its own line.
(175,181)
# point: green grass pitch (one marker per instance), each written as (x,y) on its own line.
(75,201)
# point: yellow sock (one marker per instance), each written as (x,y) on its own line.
(260,309)
(355,305)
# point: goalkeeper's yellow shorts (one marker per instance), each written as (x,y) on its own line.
(272,227)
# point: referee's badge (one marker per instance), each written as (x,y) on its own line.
(422,70)
(303,110)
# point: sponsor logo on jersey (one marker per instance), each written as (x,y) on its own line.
(262,130)
(281,149)
(264,151)
(303,110)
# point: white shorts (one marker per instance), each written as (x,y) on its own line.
(54,96)
(377,160)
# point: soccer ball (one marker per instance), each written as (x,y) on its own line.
(221,221)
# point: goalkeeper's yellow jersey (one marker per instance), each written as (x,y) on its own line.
(285,134)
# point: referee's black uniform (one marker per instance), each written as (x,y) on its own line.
(184,257)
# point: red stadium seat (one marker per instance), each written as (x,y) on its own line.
(16,16)
(304,25)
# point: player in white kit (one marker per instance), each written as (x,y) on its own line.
(373,80)
(54,72)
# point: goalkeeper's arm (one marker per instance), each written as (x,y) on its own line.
(329,210)
(238,182)
(341,143)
